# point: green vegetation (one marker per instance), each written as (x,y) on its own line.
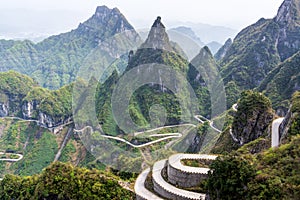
(256,171)
(195,163)
(250,58)
(63,181)
(258,49)
(55,61)
(15,83)
(253,116)
(229,178)
(295,119)
(282,82)
(272,174)
(18,90)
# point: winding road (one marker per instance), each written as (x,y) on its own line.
(165,136)
(211,123)
(38,122)
(10,159)
(169,136)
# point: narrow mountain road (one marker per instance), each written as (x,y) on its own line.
(10,159)
(211,123)
(165,136)
(37,122)
(235,107)
(169,136)
(160,128)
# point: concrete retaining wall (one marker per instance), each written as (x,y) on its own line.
(169,191)
(141,192)
(184,179)
(185,176)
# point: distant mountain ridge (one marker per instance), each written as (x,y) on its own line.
(55,61)
(259,48)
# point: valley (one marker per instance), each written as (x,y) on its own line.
(106,112)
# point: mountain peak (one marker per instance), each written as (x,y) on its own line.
(105,22)
(288,13)
(157,37)
(102,9)
(157,23)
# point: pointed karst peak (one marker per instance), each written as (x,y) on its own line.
(204,56)
(288,13)
(157,23)
(205,51)
(102,9)
(157,37)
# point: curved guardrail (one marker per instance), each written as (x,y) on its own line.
(169,191)
(186,176)
(141,192)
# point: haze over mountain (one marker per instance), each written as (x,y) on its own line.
(56,60)
(100,98)
(259,48)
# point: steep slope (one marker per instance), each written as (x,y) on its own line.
(272,174)
(55,61)
(223,50)
(290,125)
(190,33)
(202,77)
(20,96)
(259,48)
(283,81)
(253,117)
(266,173)
(288,19)
(63,181)
(214,46)
(154,65)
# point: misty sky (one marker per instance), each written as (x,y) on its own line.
(54,16)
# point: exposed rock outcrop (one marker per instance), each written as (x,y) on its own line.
(288,19)
(4,108)
(291,124)
(223,50)
(253,117)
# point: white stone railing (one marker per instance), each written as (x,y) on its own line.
(141,192)
(169,191)
(186,176)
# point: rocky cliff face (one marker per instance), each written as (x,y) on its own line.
(259,48)
(4,108)
(21,97)
(223,50)
(291,123)
(288,19)
(156,65)
(253,117)
(282,82)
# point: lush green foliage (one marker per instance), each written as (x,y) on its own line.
(273,174)
(258,49)
(229,177)
(295,110)
(18,90)
(283,81)
(55,61)
(63,181)
(253,116)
